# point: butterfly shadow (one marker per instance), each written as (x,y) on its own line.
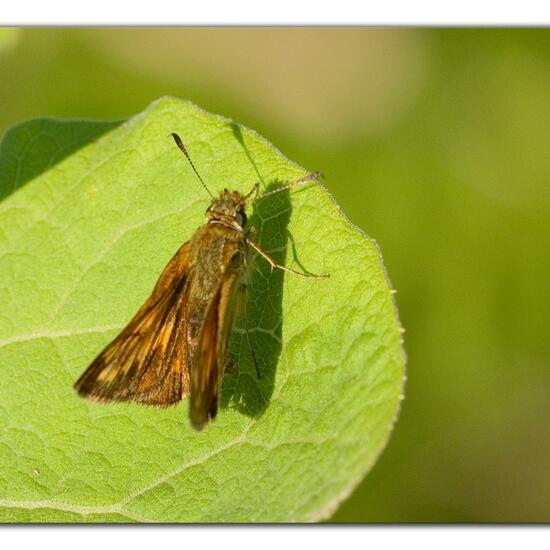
(256,341)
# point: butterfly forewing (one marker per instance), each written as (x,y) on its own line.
(147,361)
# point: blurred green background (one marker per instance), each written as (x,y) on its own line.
(437,144)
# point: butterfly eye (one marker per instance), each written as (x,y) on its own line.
(240,218)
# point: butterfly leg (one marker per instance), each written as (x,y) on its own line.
(308,178)
(254,191)
(275,265)
(229,367)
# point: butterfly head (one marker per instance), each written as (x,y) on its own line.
(228,209)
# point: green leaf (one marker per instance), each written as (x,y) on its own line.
(91,213)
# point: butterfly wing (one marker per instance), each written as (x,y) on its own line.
(147,362)
(208,360)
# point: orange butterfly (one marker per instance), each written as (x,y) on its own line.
(176,344)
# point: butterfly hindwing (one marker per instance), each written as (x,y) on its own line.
(208,361)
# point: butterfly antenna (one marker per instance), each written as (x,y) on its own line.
(309,178)
(182,148)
